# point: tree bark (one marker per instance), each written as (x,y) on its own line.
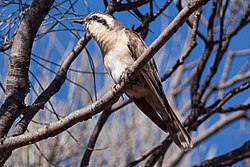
(17,79)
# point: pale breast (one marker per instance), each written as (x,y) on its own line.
(117,61)
(118,57)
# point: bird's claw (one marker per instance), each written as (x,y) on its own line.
(2,139)
(126,77)
(114,88)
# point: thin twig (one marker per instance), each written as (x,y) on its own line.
(229,158)
(94,136)
(191,46)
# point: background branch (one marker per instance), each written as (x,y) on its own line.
(229,158)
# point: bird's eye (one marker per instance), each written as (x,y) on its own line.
(94,17)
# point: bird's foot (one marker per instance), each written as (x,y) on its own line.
(126,77)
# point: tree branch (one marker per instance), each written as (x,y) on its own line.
(191,46)
(95,134)
(229,158)
(17,79)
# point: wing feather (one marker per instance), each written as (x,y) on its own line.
(150,74)
(137,46)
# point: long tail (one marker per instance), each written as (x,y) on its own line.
(168,122)
(162,109)
(177,131)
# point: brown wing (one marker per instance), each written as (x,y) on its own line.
(137,46)
(150,74)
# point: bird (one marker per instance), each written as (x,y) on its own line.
(120,48)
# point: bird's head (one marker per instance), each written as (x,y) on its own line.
(99,22)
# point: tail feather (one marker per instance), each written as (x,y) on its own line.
(167,121)
(148,110)
(177,131)
(159,102)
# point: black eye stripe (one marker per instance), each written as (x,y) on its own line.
(95,17)
(102,21)
(99,19)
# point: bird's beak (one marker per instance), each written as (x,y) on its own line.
(79,21)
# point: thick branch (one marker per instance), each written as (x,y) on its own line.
(57,127)
(17,79)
